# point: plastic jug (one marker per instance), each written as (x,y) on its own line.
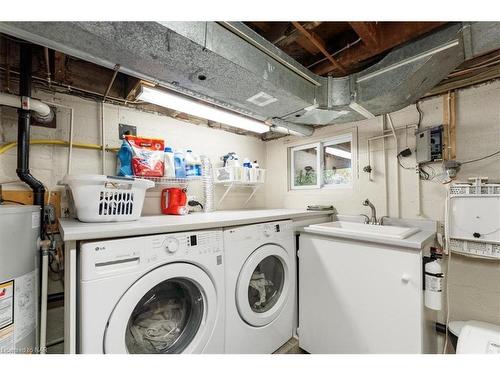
(169,163)
(180,166)
(190,162)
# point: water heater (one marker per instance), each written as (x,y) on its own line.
(19,229)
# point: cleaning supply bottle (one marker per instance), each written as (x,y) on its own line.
(169,163)
(190,162)
(246,163)
(180,166)
(124,162)
(197,165)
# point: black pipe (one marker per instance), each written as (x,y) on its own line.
(55,297)
(440,327)
(23,134)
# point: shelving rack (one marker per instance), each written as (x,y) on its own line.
(234,184)
(172,182)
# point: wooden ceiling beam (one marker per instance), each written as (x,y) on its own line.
(294,34)
(368,32)
(391,34)
(320,45)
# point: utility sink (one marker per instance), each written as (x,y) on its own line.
(366,230)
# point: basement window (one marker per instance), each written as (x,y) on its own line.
(324,164)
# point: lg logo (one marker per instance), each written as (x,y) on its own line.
(100,248)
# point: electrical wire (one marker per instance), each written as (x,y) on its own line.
(423,174)
(420,114)
(401,165)
(479,159)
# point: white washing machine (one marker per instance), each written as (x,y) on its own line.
(152,294)
(260,286)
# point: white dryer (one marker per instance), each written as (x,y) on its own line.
(260,286)
(152,294)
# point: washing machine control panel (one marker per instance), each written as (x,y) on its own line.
(273,229)
(189,244)
(171,244)
(100,259)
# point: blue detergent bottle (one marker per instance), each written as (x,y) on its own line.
(180,165)
(124,162)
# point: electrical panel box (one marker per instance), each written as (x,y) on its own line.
(429,144)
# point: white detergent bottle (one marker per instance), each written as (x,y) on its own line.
(169,164)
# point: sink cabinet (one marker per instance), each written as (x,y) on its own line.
(361,297)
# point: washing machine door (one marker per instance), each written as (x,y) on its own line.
(263,285)
(171,309)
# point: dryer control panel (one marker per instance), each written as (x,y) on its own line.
(265,232)
(106,258)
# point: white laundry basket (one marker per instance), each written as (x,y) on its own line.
(98,198)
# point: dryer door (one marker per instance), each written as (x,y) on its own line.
(171,309)
(263,285)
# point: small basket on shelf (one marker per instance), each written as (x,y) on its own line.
(239,175)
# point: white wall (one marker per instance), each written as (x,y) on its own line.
(474,284)
(48,163)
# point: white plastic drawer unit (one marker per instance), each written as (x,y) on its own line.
(359,297)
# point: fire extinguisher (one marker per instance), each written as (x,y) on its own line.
(433,278)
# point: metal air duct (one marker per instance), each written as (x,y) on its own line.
(229,65)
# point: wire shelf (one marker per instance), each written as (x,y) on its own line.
(170,181)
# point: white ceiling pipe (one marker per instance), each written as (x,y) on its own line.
(42,110)
(286,127)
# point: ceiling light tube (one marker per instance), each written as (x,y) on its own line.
(336,152)
(180,103)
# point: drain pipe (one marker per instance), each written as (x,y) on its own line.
(23,134)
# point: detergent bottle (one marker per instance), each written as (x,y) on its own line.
(124,162)
(180,167)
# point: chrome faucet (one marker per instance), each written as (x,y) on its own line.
(373,219)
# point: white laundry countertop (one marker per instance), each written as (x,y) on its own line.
(74,230)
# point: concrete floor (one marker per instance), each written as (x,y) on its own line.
(55,330)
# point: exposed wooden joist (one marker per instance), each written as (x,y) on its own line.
(391,34)
(59,66)
(449,122)
(291,37)
(320,44)
(368,32)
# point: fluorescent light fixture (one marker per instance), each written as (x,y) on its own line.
(337,152)
(190,106)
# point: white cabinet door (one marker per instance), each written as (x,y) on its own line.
(358,297)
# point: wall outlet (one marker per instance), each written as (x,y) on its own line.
(126,129)
(49,213)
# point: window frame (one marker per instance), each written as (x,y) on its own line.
(347,137)
(320,145)
(291,168)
